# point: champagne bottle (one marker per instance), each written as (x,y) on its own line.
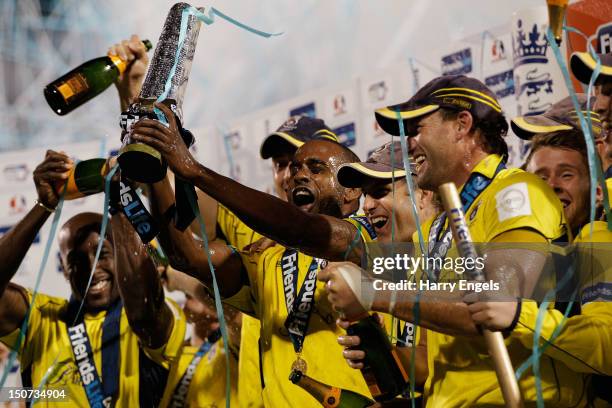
(86,178)
(382,368)
(85,82)
(328,396)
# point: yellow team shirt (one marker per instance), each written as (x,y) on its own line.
(585,341)
(239,235)
(321,350)
(461,372)
(47,345)
(207,387)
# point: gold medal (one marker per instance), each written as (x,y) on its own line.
(299,364)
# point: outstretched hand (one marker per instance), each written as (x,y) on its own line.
(168,141)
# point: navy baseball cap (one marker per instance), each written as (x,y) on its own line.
(456,92)
(296,131)
(583,64)
(385,163)
(561,116)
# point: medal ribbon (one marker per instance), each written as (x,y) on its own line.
(439,244)
(298,312)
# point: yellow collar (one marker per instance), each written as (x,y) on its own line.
(488,165)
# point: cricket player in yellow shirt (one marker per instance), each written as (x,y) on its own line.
(382,178)
(298,325)
(280,146)
(559,157)
(113,353)
(455,126)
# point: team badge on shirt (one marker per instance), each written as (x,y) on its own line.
(513,201)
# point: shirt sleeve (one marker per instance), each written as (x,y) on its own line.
(169,352)
(523,201)
(35,327)
(584,343)
(236,232)
(247,299)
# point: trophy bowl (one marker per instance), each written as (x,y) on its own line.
(138,161)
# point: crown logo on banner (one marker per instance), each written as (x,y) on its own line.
(531,47)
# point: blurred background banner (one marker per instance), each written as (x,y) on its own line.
(338,60)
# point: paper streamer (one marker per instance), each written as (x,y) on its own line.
(43,263)
(102,234)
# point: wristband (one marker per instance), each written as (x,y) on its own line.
(517,315)
(47,209)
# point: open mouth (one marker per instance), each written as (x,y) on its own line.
(379,221)
(565,202)
(418,161)
(99,284)
(303,197)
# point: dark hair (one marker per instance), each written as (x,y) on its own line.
(566,139)
(492,129)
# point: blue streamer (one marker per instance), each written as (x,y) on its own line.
(595,174)
(415,213)
(593,160)
(102,234)
(107,183)
(41,269)
(208,19)
(411,187)
(592,80)
(218,305)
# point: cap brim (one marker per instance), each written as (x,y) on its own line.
(526,127)
(387,117)
(356,174)
(275,141)
(583,64)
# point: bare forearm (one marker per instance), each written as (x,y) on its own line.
(140,286)
(314,234)
(449,317)
(188,255)
(263,212)
(15,243)
(181,248)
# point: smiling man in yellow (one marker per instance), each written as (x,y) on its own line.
(455,126)
(95,356)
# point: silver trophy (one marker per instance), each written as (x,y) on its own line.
(167,76)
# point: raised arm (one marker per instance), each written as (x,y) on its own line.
(129,82)
(315,234)
(140,287)
(186,253)
(16,242)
